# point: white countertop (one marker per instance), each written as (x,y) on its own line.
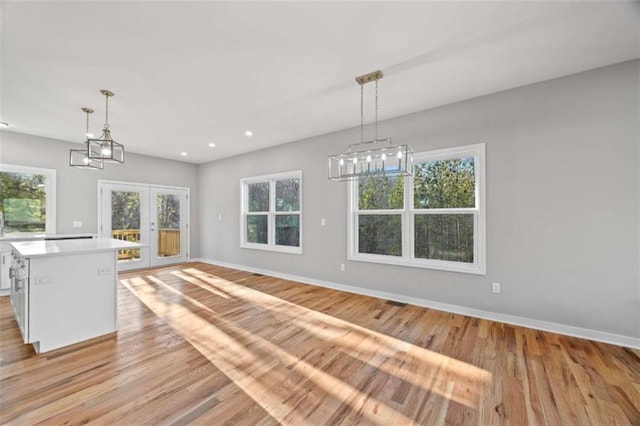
(41,236)
(65,247)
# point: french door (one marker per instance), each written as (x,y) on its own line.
(155,216)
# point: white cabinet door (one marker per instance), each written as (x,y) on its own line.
(5,264)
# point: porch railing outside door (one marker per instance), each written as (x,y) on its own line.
(168,242)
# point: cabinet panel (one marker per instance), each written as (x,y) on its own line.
(5,264)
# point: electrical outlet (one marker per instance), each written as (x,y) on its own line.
(104,271)
(495,288)
(219,216)
(342,267)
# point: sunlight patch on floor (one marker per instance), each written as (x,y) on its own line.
(252,361)
(349,335)
(245,367)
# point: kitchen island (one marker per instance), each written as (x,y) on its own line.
(64,292)
(5,251)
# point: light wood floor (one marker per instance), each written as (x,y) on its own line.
(209,345)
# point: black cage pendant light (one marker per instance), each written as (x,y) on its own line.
(79,158)
(104,148)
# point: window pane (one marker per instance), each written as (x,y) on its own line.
(125,222)
(257,229)
(168,225)
(444,184)
(380,234)
(288,230)
(444,237)
(287,195)
(23,201)
(381,193)
(258,197)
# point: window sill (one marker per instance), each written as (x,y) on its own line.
(273,248)
(475,269)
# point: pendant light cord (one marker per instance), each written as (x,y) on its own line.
(106,116)
(376,122)
(362,113)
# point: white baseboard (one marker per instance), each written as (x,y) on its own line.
(568,330)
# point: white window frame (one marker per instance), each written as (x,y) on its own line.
(408,211)
(272,213)
(50,190)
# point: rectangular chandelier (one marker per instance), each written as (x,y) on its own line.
(104,148)
(79,158)
(367,159)
(377,157)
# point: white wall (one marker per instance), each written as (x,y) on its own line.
(77,188)
(563,203)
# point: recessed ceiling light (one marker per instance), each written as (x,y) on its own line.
(212,145)
(184,154)
(248,133)
(4,124)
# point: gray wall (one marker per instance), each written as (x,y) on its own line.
(77,189)
(563,195)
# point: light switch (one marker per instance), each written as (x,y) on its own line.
(219,216)
(77,224)
(44,280)
(323,222)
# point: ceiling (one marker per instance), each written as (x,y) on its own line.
(187,74)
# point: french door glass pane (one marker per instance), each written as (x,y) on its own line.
(258,229)
(444,184)
(288,230)
(380,234)
(23,202)
(258,197)
(444,237)
(381,193)
(125,221)
(287,195)
(168,211)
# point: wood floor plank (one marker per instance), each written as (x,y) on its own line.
(201,344)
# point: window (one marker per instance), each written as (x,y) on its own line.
(28,199)
(271,212)
(435,219)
